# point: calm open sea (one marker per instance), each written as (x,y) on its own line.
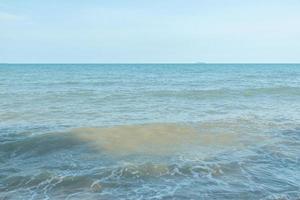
(150,131)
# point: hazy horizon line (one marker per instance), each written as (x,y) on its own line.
(114,63)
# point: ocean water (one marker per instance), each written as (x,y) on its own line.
(150,131)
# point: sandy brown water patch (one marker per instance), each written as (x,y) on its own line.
(153,138)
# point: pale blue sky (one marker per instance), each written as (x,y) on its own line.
(98,31)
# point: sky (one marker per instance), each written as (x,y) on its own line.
(156,31)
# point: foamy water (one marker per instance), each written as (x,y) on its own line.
(150,131)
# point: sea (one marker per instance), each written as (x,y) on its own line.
(150,131)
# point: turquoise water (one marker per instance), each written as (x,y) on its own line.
(150,131)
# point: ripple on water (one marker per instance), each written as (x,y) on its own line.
(234,160)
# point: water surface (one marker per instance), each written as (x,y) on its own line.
(150,131)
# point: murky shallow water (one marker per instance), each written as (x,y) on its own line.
(149,132)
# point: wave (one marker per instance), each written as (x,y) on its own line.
(133,160)
(107,181)
(128,171)
(216,93)
(164,138)
(151,139)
